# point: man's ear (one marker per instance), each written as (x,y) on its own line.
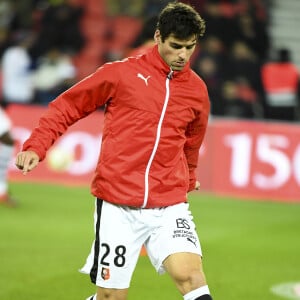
(157,37)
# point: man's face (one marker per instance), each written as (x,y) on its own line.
(176,53)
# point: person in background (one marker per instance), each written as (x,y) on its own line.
(209,65)
(156,117)
(54,73)
(59,28)
(281,87)
(17,70)
(235,105)
(242,71)
(6,153)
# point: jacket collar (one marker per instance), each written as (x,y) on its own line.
(156,60)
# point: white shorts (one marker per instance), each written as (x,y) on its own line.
(122,231)
(5,123)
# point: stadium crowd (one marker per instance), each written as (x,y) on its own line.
(40,40)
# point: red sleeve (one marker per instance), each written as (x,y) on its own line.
(194,136)
(71,106)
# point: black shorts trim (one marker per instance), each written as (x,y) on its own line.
(94,270)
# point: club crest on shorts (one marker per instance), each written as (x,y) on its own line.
(105,273)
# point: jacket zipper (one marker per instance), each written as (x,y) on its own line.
(158,132)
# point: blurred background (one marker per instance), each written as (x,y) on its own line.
(46,46)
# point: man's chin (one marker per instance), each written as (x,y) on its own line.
(177,68)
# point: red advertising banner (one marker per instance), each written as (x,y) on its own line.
(252,159)
(255,159)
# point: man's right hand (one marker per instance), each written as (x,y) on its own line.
(26,161)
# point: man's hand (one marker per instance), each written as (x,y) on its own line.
(26,161)
(197,185)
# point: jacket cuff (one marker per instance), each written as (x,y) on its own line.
(192,182)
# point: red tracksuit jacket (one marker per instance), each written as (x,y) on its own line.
(154,126)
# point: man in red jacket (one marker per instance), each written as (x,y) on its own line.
(156,116)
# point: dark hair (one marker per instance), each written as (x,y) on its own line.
(181,20)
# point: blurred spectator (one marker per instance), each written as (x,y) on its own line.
(282,89)
(258,8)
(213,45)
(209,64)
(6,153)
(4,41)
(132,8)
(54,74)
(242,62)
(60,28)
(217,24)
(253,33)
(22,14)
(234,105)
(207,67)
(243,68)
(17,82)
(6,13)
(6,16)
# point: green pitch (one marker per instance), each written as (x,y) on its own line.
(248,247)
